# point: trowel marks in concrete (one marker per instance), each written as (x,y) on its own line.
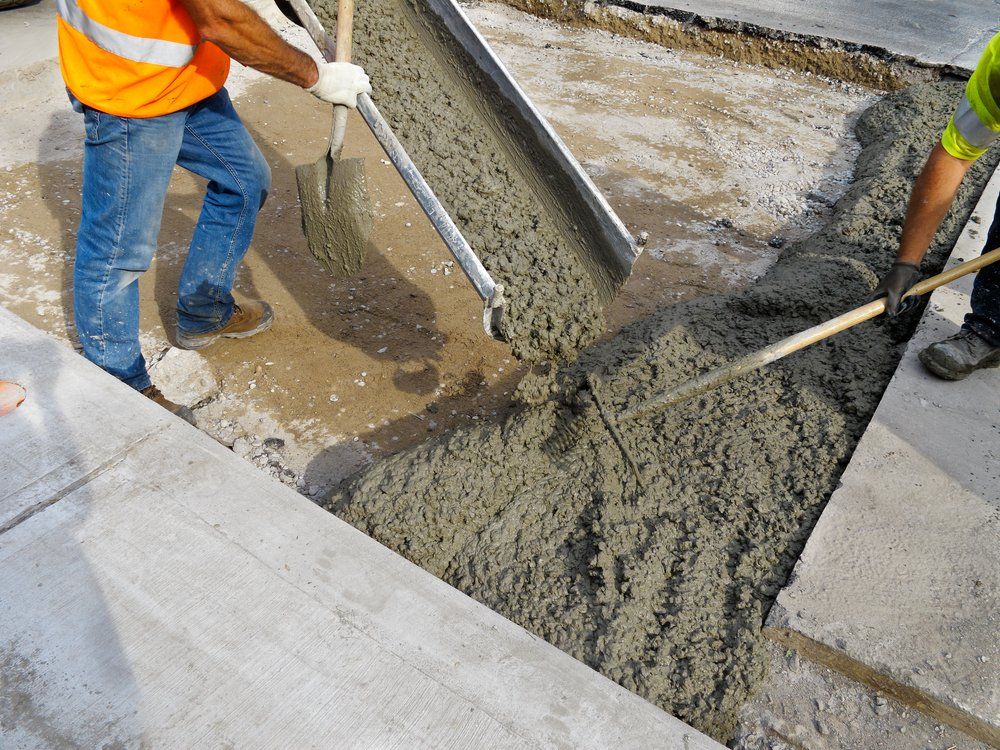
(665,590)
(554,307)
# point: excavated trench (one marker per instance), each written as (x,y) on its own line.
(739,41)
(663,587)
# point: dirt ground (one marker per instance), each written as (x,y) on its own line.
(719,162)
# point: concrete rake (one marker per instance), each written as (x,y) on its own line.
(593,395)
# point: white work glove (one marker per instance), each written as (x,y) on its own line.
(340,83)
(269,12)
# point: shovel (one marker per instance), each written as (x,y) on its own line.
(337,216)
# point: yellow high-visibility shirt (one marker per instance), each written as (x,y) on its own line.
(976,122)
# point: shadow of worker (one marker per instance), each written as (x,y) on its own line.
(66,679)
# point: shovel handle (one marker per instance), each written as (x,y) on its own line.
(342,53)
(756,360)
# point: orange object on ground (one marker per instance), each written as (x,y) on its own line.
(138,59)
(11,396)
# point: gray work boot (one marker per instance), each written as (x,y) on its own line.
(956,357)
(153,394)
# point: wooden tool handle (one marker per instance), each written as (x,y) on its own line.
(345,30)
(342,53)
(810,336)
(946,277)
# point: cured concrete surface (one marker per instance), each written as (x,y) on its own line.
(935,33)
(156,590)
(899,584)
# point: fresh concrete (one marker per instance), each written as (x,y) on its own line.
(158,591)
(899,584)
(933,33)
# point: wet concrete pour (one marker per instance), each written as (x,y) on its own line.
(665,590)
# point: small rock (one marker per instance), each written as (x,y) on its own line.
(822,198)
(242,447)
(881,706)
(792,658)
(274,443)
(777,242)
(184,376)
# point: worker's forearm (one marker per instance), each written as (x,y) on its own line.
(245,37)
(932,196)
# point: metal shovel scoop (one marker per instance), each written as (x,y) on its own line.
(337,216)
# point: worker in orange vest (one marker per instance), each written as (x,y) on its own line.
(148,77)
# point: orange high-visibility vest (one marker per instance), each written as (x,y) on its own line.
(141,58)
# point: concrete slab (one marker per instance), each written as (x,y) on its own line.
(899,584)
(933,33)
(175,597)
(42,457)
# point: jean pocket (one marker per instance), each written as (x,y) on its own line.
(92,123)
(75,103)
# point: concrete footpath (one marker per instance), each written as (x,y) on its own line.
(932,33)
(158,591)
(899,584)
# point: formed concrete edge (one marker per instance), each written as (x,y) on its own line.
(781,625)
(780,629)
(769,45)
(740,26)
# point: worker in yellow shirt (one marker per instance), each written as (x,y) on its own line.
(973,127)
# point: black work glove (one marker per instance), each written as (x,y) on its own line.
(894,285)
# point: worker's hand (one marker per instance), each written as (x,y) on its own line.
(340,83)
(269,12)
(894,285)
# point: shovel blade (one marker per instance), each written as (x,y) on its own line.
(337,216)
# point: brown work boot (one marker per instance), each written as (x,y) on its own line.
(249,317)
(154,395)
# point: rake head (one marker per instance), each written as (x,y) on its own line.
(588,411)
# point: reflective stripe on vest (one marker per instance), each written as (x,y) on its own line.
(135,48)
(974,130)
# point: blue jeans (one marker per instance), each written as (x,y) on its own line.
(985,316)
(127,164)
